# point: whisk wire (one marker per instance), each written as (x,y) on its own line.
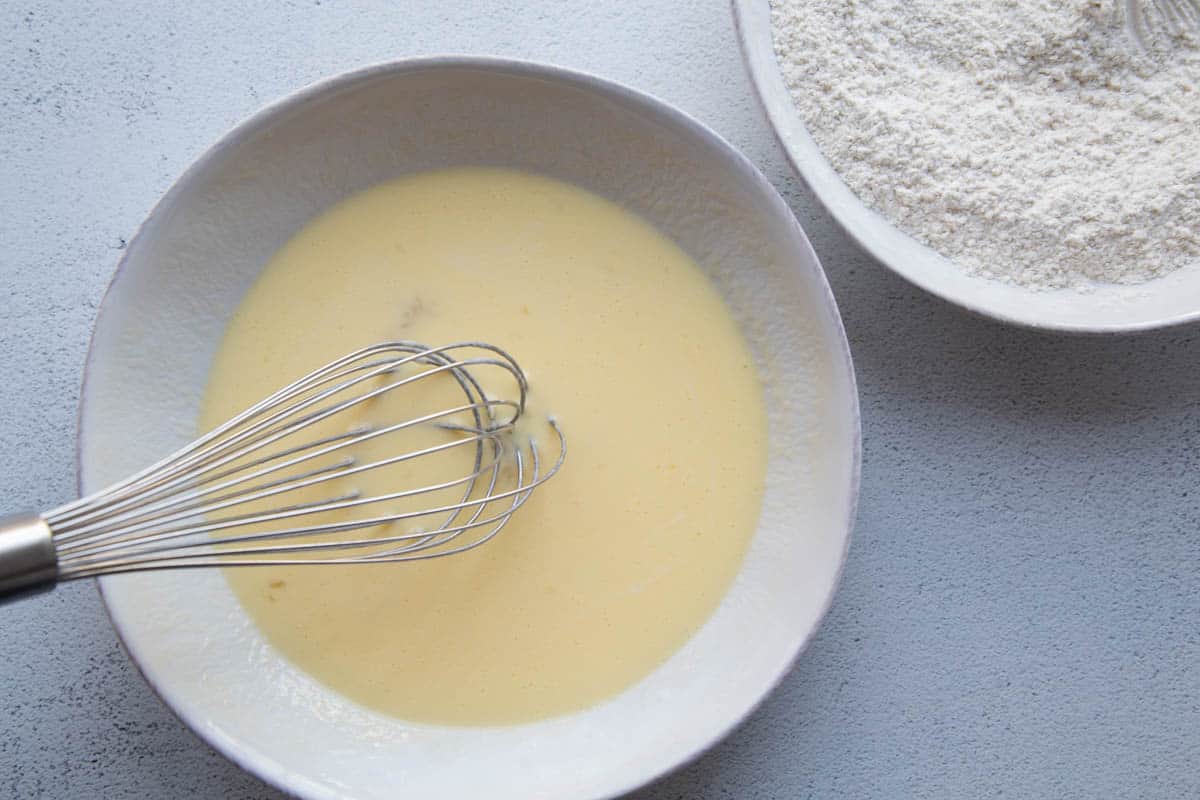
(181,468)
(1145,18)
(207,504)
(422,539)
(132,520)
(162,524)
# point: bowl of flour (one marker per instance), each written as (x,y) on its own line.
(1028,161)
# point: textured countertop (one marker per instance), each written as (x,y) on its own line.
(1020,614)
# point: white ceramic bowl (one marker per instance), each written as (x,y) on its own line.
(1170,300)
(189,265)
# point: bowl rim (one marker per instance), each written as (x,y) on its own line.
(749,18)
(245,756)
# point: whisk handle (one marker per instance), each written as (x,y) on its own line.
(27,556)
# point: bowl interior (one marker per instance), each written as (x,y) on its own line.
(1103,308)
(183,276)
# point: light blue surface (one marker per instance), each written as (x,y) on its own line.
(1020,614)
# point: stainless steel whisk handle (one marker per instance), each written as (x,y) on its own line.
(28,559)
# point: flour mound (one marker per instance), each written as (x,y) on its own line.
(1029,141)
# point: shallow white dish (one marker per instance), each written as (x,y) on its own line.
(183,275)
(1170,300)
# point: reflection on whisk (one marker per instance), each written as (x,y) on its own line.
(433,430)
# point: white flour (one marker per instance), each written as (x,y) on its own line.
(1028,140)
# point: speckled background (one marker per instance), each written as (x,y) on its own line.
(1020,614)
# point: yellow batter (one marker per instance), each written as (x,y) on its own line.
(615,562)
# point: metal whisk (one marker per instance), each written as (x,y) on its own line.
(1144,18)
(243,493)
